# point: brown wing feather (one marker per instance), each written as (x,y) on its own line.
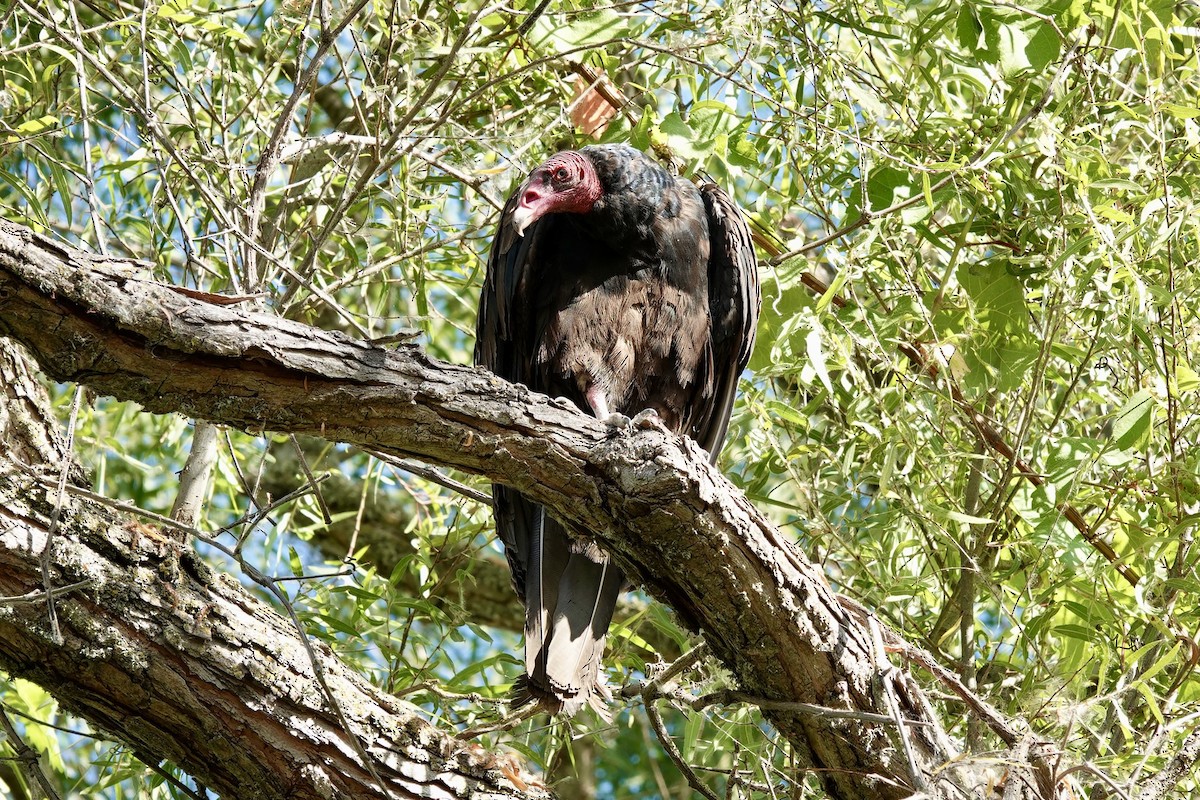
(734,300)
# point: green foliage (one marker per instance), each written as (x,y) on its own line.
(1017,192)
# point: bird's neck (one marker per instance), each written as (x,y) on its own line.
(621,224)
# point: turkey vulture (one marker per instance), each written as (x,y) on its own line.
(621,288)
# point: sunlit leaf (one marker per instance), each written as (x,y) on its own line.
(1132,422)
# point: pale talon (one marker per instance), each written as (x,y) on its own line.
(617,420)
(646,419)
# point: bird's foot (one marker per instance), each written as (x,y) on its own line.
(616,421)
(646,420)
(643,421)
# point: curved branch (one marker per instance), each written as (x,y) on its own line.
(649,497)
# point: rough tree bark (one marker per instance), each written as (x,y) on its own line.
(649,497)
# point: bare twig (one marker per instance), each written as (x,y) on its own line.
(27,758)
(673,753)
(85,125)
(1092,769)
(16,712)
(431,474)
(680,665)
(42,596)
(56,515)
(250,520)
(532,18)
(435,689)
(883,675)
(732,696)
(129,508)
(504,723)
(320,498)
(175,782)
(651,688)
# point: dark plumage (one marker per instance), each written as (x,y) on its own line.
(621,288)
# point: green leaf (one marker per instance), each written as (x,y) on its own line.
(1072,631)
(887,186)
(1016,44)
(968,519)
(703,135)
(969,28)
(835,286)
(742,152)
(1151,702)
(1010,43)
(1044,47)
(640,136)
(33,204)
(1186,379)
(1132,422)
(1002,349)
(585,29)
(1182,112)
(181,11)
(1117,183)
(32,127)
(816,357)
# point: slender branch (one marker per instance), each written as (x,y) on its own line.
(27,758)
(326,517)
(270,157)
(42,596)
(668,744)
(431,474)
(726,697)
(194,477)
(1092,769)
(171,779)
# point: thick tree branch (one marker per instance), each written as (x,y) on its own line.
(649,497)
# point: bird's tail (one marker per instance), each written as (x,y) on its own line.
(571,591)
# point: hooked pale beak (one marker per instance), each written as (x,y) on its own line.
(523,217)
(530,209)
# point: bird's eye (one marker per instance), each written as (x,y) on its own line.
(561,174)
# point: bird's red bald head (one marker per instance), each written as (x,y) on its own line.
(566,184)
